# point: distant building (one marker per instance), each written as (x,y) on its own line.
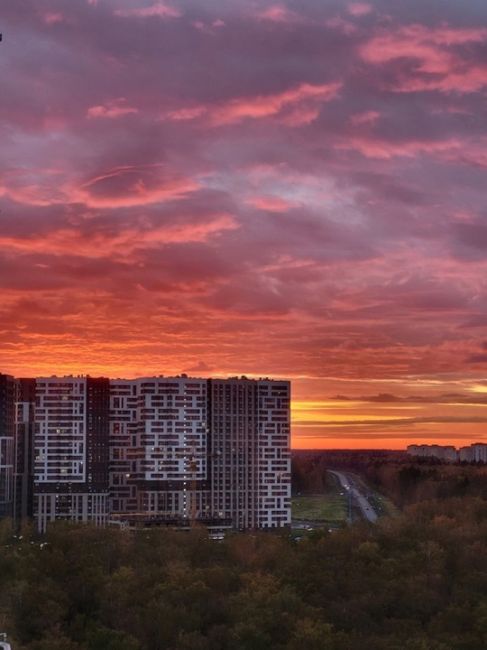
(465,454)
(479,452)
(476,452)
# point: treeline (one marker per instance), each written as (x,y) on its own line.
(415,582)
(403,479)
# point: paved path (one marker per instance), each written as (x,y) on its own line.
(348,484)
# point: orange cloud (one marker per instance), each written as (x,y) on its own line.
(121,244)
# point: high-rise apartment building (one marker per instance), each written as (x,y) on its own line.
(274,454)
(250,456)
(7,444)
(24,449)
(149,451)
(158,447)
(71,449)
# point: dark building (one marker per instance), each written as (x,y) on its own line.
(24,449)
(7,444)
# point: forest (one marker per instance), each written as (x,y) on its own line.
(413,582)
(403,479)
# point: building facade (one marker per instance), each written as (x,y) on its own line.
(7,444)
(71,418)
(158,450)
(24,449)
(475,453)
(250,461)
(158,447)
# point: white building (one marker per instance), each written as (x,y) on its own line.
(158,446)
(476,452)
(71,450)
(479,452)
(149,451)
(250,459)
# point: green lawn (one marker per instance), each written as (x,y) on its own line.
(329,507)
(319,508)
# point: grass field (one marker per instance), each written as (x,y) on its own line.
(324,508)
(329,507)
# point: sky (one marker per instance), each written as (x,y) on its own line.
(291,189)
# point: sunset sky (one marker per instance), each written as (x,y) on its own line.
(224,187)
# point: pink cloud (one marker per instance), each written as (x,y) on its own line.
(237,110)
(33,189)
(279,14)
(111,110)
(359,8)
(341,25)
(301,115)
(131,186)
(52,18)
(158,9)
(368,117)
(270,203)
(382,149)
(297,106)
(438,67)
(184,114)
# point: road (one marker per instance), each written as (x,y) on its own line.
(348,484)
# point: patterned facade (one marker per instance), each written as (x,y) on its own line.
(71,450)
(158,446)
(153,449)
(250,456)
